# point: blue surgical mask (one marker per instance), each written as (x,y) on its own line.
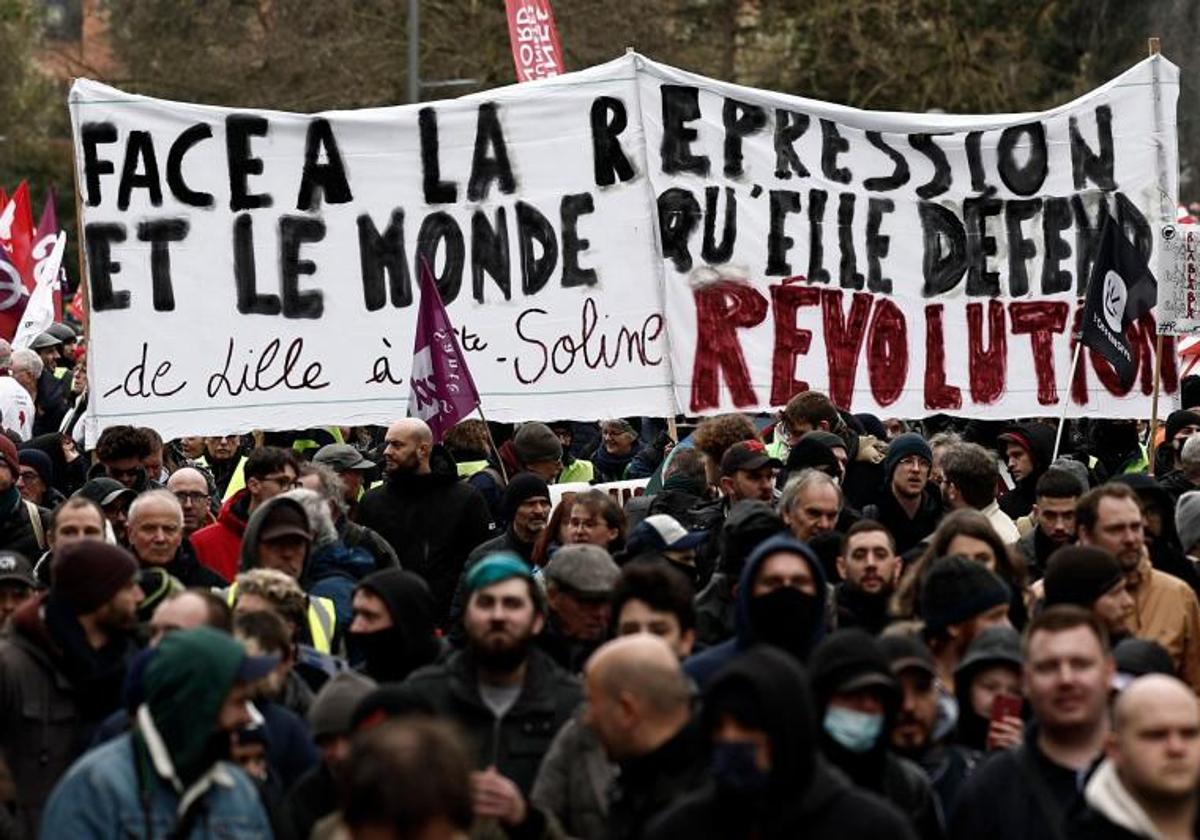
(856,731)
(735,768)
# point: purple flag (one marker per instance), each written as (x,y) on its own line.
(442,389)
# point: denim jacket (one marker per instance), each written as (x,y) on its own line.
(100,796)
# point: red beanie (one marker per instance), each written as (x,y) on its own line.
(8,453)
(88,573)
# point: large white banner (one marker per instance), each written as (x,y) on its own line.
(629,239)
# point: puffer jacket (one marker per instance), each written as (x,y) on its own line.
(573,781)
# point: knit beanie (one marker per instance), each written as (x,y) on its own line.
(909,443)
(87,574)
(1079,574)
(1176,420)
(521,488)
(40,462)
(536,442)
(8,453)
(956,589)
(1187,519)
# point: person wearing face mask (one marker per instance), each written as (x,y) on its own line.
(857,697)
(781,601)
(393,632)
(768,778)
(662,536)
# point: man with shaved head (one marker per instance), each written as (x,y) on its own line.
(1147,784)
(430,518)
(191,489)
(639,706)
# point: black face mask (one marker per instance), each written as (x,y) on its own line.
(785,618)
(688,570)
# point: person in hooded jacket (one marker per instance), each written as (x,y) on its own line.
(748,524)
(781,599)
(857,697)
(990,668)
(333,567)
(769,780)
(429,517)
(170,776)
(1162,537)
(1027,449)
(393,632)
(279,536)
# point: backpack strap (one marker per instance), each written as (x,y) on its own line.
(35,520)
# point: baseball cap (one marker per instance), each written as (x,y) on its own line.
(663,532)
(105,491)
(15,567)
(342,456)
(255,668)
(747,455)
(285,520)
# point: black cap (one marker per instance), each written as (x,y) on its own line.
(747,455)
(904,652)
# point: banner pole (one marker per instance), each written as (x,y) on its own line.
(1062,417)
(1150,446)
(1154,47)
(492,441)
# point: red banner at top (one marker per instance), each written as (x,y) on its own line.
(537,52)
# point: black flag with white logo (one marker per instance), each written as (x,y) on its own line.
(1120,290)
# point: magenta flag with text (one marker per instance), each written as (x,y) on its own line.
(443,391)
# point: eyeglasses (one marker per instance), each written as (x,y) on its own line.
(288,481)
(28,475)
(187,499)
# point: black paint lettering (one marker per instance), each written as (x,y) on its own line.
(328,179)
(609,160)
(489,253)
(789,127)
(249,301)
(817,273)
(535,232)
(783,203)
(832,145)
(572,207)
(681,105)
(1088,165)
(182,145)
(1026,178)
(848,275)
(437,191)
(711,251)
(98,238)
(1087,232)
(294,232)
(160,234)
(1020,246)
(975,161)
(488,166)
(1056,217)
(940,182)
(438,229)
(981,245)
(678,216)
(140,170)
(945,249)
(90,136)
(900,173)
(239,128)
(381,254)
(877,244)
(741,120)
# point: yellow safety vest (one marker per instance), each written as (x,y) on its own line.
(322,620)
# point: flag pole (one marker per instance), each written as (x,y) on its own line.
(492,441)
(1154,46)
(1066,402)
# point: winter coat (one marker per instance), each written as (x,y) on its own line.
(433,521)
(186,569)
(17,532)
(219,545)
(516,743)
(572,783)
(44,721)
(313,797)
(907,532)
(1020,500)
(360,536)
(100,797)
(1112,813)
(703,666)
(1166,611)
(716,611)
(649,784)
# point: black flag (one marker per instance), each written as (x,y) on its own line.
(1120,290)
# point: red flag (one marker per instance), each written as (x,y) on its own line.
(43,248)
(16,233)
(537,52)
(13,297)
(443,391)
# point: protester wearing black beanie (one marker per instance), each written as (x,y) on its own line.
(521,488)
(87,574)
(956,589)
(1091,578)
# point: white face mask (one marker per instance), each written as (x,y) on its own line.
(856,731)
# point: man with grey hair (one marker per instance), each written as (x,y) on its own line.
(326,481)
(1187,477)
(579,583)
(17,409)
(811,504)
(155,534)
(969,475)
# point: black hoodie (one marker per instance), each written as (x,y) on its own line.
(805,797)
(433,521)
(1038,441)
(391,655)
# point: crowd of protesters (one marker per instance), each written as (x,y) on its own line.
(812,624)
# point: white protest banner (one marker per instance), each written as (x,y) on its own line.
(1178,273)
(629,239)
(621,491)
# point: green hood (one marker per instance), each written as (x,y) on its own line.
(186,683)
